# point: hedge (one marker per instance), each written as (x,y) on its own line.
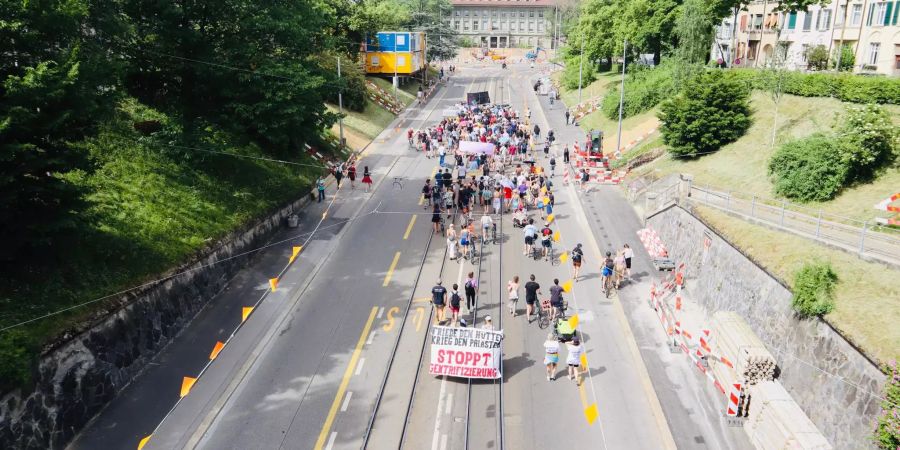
(845,87)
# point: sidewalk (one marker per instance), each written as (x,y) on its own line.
(691,406)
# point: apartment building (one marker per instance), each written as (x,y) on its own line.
(505,23)
(871,28)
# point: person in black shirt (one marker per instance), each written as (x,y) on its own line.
(532,290)
(566,154)
(439,298)
(454,304)
(577,256)
(556,300)
(426,193)
(448,178)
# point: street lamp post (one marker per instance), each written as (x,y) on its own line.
(621,97)
(580,68)
(340,102)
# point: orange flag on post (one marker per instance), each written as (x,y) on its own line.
(245,312)
(563,257)
(216,349)
(567,286)
(186,384)
(295,251)
(143,442)
(273,283)
(556,236)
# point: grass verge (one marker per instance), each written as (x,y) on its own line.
(866,307)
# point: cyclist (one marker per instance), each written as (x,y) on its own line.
(530,232)
(577,256)
(409,137)
(546,241)
(486,224)
(608,267)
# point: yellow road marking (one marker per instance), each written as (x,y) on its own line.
(420,315)
(390,272)
(409,227)
(390,317)
(422,300)
(342,389)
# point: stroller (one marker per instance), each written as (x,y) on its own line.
(520,220)
(563,331)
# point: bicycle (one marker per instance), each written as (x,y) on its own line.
(608,285)
(543,314)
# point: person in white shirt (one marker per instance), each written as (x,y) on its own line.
(573,359)
(512,289)
(486,224)
(530,232)
(628,253)
(551,356)
(488,323)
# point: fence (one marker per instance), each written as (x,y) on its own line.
(865,238)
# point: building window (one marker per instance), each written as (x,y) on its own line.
(758,22)
(856,15)
(458,13)
(484,25)
(530,13)
(521,13)
(792,21)
(872,57)
(807,21)
(494,13)
(824,20)
(803,49)
(530,26)
(474,25)
(879,14)
(842,11)
(541,13)
(456,25)
(466,13)
(540,26)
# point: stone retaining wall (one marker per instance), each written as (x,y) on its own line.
(81,375)
(720,277)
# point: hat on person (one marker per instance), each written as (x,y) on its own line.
(439,281)
(487,318)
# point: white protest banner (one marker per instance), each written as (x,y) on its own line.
(466,352)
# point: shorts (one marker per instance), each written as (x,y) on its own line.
(546,243)
(551,358)
(576,263)
(575,365)
(463,242)
(529,240)
(607,271)
(627,263)
(530,301)
(438,304)
(454,308)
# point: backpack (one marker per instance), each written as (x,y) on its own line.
(576,255)
(552,161)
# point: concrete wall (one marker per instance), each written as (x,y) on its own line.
(722,278)
(80,375)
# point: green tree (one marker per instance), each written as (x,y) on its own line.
(712,110)
(843,58)
(873,141)
(814,289)
(649,26)
(596,25)
(887,428)
(817,57)
(433,17)
(808,169)
(694,30)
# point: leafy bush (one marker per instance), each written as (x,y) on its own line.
(352,82)
(644,89)
(887,428)
(17,349)
(847,58)
(844,87)
(570,75)
(809,169)
(711,111)
(814,289)
(872,141)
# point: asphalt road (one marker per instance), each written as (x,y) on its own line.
(307,368)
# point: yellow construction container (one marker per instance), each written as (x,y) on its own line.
(400,63)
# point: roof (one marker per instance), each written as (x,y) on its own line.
(505,3)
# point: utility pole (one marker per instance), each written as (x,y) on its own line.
(621,97)
(340,102)
(581,68)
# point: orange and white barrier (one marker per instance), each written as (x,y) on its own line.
(734,400)
(651,241)
(886,205)
(566,176)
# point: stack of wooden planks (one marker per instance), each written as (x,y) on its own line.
(777,422)
(735,341)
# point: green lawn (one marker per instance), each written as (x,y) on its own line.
(866,308)
(150,208)
(368,123)
(604,82)
(742,165)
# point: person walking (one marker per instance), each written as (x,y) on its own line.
(451,242)
(338,174)
(454,305)
(551,356)
(567,117)
(488,323)
(556,301)
(577,257)
(532,290)
(426,194)
(512,290)
(367,178)
(566,154)
(351,174)
(320,186)
(573,359)
(439,298)
(436,218)
(471,286)
(628,253)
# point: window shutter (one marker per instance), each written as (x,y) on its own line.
(887,14)
(871,13)
(792,21)
(896,10)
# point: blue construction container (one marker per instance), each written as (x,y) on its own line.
(395,41)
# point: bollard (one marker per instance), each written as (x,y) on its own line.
(783,205)
(819,223)
(862,238)
(752,206)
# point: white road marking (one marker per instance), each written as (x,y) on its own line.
(449,407)
(371,336)
(380,312)
(359,366)
(346,401)
(331,439)
(437,420)
(443,442)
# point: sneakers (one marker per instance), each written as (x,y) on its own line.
(549,378)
